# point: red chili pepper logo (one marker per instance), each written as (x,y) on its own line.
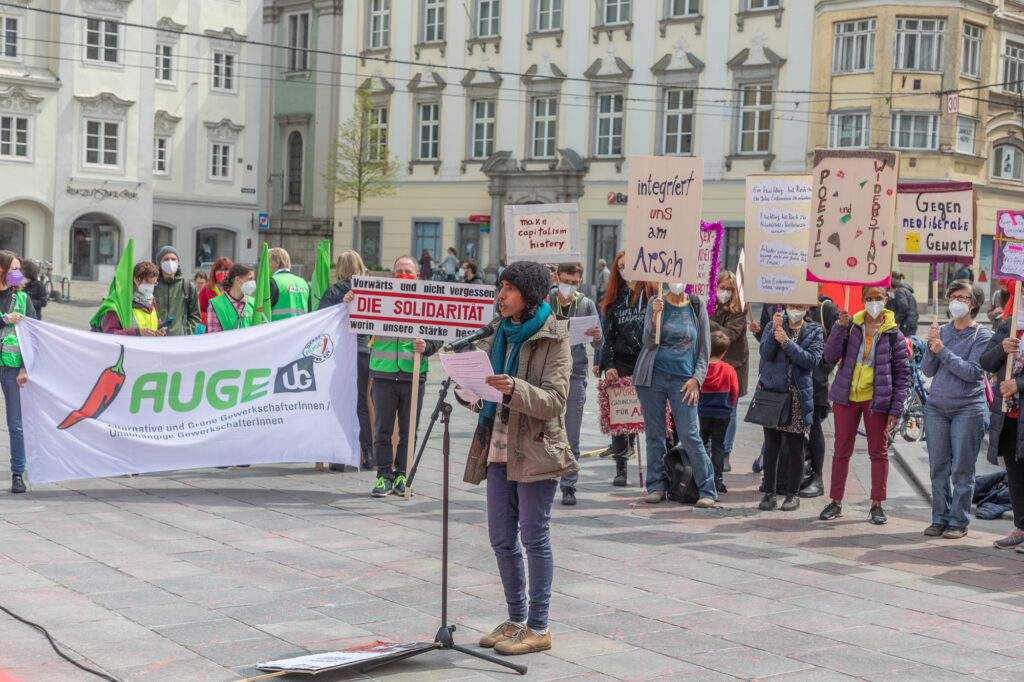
(102,394)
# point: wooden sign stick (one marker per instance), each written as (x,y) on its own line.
(264,677)
(846,297)
(935,294)
(657,332)
(1013,331)
(409,456)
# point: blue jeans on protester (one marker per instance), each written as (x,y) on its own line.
(730,435)
(522,508)
(954,439)
(12,403)
(573,422)
(666,387)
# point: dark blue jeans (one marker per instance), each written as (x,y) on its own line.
(573,422)
(12,404)
(954,439)
(522,508)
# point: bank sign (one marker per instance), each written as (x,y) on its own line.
(102,405)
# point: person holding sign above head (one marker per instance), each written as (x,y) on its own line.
(233,309)
(568,302)
(871,382)
(672,371)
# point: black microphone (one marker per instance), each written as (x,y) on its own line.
(481,333)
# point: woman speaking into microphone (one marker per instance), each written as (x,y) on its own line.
(520,447)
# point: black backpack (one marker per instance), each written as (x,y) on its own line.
(679,476)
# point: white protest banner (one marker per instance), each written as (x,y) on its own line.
(418,309)
(935,222)
(544,233)
(778,219)
(103,405)
(663,218)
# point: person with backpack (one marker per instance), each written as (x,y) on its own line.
(671,369)
(176,296)
(790,350)
(234,308)
(871,383)
(903,304)
(15,305)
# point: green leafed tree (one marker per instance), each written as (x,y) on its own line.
(361,166)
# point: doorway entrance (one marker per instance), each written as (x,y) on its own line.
(95,247)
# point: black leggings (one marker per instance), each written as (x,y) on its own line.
(783,458)
(620,444)
(817,439)
(1014,469)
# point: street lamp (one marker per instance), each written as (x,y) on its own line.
(270,183)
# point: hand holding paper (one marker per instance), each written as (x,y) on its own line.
(470,371)
(579,328)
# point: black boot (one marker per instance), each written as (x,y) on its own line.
(17,483)
(620,471)
(813,489)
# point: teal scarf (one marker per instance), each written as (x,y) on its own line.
(515,334)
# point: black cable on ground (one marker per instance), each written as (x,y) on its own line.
(53,644)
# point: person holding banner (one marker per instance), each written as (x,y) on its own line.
(289,294)
(218,272)
(871,382)
(15,305)
(145,320)
(671,370)
(568,302)
(521,448)
(234,308)
(731,319)
(954,417)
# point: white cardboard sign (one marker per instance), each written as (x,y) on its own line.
(543,233)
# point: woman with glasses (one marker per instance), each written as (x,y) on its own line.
(954,417)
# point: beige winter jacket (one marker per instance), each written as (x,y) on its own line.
(538,449)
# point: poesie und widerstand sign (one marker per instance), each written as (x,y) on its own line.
(935,222)
(543,233)
(778,222)
(663,218)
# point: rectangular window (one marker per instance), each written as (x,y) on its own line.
(854,46)
(223,71)
(1013,66)
(102,144)
(13,137)
(549,15)
(756,118)
(545,127)
(616,11)
(763,4)
(430,124)
(380,24)
(9,37)
(488,18)
(427,236)
(970,64)
(914,131)
(483,128)
(101,41)
(966,129)
(609,125)
(919,44)
(678,122)
(433,21)
(849,131)
(298,42)
(683,8)
(164,63)
(378,144)
(220,161)
(370,242)
(160,155)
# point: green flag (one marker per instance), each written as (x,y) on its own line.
(261,313)
(321,272)
(119,297)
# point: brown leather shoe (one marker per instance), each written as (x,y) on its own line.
(524,642)
(506,630)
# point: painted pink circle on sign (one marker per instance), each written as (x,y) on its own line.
(851,261)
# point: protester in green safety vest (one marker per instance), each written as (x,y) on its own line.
(233,309)
(145,318)
(14,306)
(289,294)
(391,364)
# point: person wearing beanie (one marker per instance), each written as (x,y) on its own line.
(176,296)
(531,359)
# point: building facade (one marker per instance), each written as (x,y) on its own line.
(128,119)
(544,101)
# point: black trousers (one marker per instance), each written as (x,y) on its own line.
(783,458)
(620,444)
(1014,469)
(817,439)
(712,432)
(391,398)
(363,408)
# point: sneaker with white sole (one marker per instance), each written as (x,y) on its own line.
(382,488)
(655,496)
(705,503)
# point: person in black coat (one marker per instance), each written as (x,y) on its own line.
(903,304)
(34,287)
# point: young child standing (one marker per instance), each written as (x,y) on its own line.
(718,394)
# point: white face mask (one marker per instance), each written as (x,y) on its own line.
(874,308)
(677,288)
(249,288)
(958,309)
(147,289)
(567,290)
(170,266)
(795,315)
(723,295)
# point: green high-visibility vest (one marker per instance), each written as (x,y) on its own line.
(10,352)
(388,354)
(228,316)
(292,296)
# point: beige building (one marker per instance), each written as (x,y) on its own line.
(545,100)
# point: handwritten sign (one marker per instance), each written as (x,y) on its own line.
(854,208)
(935,222)
(1009,243)
(624,409)
(778,220)
(663,218)
(707,264)
(543,233)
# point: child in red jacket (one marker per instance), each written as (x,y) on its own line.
(718,394)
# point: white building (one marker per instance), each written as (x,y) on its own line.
(111,129)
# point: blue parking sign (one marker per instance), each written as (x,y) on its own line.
(264,221)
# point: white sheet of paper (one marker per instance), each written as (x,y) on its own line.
(578,327)
(469,370)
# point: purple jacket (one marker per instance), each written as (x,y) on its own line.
(891,378)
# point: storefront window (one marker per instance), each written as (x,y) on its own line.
(211,244)
(95,247)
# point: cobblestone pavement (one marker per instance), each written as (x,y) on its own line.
(198,575)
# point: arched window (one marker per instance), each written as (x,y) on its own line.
(295,168)
(1008,163)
